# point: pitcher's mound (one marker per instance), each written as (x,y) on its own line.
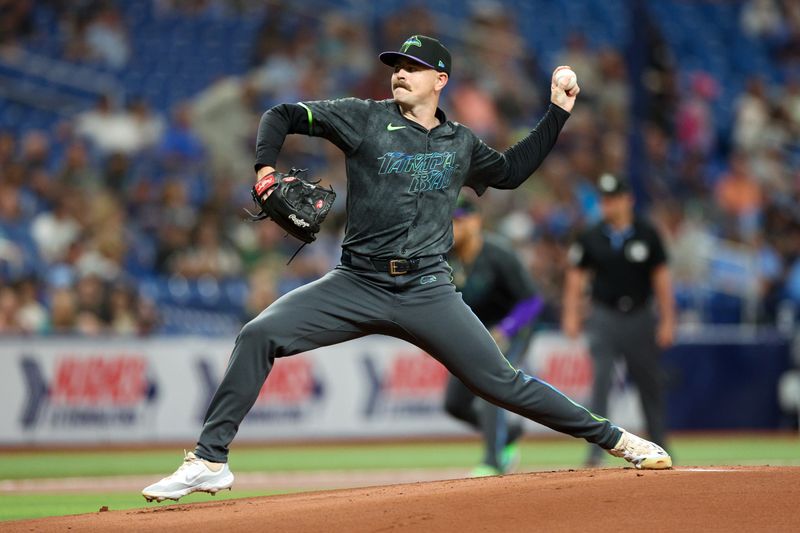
(613,500)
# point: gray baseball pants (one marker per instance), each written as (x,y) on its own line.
(483,416)
(629,336)
(421,307)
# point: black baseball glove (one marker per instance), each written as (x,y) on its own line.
(296,204)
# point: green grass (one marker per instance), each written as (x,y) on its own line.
(267,459)
(25,506)
(537,454)
(737,451)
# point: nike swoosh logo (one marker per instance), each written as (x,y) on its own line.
(392,128)
(191,478)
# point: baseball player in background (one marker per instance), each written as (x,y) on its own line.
(498,288)
(406,163)
(625,256)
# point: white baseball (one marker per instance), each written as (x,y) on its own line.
(566,79)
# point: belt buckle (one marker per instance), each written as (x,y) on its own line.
(398,267)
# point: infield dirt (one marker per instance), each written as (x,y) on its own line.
(608,500)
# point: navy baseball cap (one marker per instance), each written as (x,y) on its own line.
(464,207)
(609,184)
(422,49)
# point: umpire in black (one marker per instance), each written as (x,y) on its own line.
(628,265)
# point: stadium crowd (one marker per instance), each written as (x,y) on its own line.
(107,200)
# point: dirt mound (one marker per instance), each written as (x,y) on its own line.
(614,500)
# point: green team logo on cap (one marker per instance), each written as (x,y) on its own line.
(441,64)
(412,41)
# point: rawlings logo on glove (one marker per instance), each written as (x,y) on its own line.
(295,204)
(297,221)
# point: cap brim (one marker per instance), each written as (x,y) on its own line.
(391,58)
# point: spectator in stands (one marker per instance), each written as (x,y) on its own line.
(31,314)
(181,146)
(147,317)
(20,253)
(76,170)
(92,297)
(106,150)
(116,172)
(107,38)
(345,50)
(150,125)
(662,180)
(406,20)
(770,270)
(504,69)
(9,311)
(614,150)
(788,46)
(761,18)
(208,255)
(8,146)
(688,244)
(739,195)
(12,259)
(695,127)
(225,116)
(583,58)
(262,291)
(98,249)
(176,218)
(281,67)
(789,100)
(752,115)
(108,129)
(63,311)
(562,206)
(793,282)
(122,311)
(16,21)
(35,148)
(476,107)
(54,231)
(614,98)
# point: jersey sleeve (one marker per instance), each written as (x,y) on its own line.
(342,122)
(510,169)
(486,165)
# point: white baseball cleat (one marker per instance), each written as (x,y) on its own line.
(194,475)
(643,454)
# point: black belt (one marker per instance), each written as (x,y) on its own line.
(625,304)
(394,267)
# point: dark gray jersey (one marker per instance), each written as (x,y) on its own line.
(495,282)
(402,179)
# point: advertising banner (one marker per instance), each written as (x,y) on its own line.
(145,390)
(67,390)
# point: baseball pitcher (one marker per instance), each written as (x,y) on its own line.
(406,163)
